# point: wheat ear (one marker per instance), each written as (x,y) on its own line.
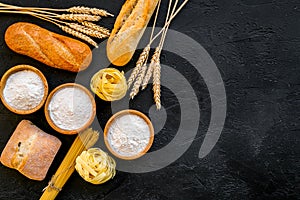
(150,68)
(156,82)
(79,17)
(96,27)
(141,61)
(78,34)
(100,12)
(86,30)
(136,87)
(87,10)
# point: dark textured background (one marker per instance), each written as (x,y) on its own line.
(256,46)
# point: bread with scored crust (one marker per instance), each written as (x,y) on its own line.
(30,150)
(52,49)
(128,30)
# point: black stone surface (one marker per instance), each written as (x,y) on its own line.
(255,44)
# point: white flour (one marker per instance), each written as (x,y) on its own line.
(24,90)
(129,135)
(70,108)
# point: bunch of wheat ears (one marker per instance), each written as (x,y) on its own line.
(77,20)
(142,73)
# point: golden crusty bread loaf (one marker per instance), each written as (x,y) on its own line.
(128,30)
(47,47)
(30,151)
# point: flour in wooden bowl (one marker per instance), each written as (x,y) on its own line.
(129,135)
(24,90)
(70,108)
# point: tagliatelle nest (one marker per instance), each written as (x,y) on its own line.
(109,84)
(95,166)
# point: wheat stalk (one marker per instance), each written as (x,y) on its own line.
(79,10)
(79,17)
(96,27)
(151,68)
(136,87)
(148,76)
(86,30)
(75,32)
(100,12)
(79,35)
(74,9)
(83,15)
(87,10)
(155,61)
(141,61)
(156,83)
(156,66)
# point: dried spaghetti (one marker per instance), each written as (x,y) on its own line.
(95,166)
(84,140)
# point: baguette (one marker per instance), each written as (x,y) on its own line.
(128,30)
(30,151)
(47,47)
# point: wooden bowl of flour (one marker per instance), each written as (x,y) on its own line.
(23,89)
(70,108)
(129,134)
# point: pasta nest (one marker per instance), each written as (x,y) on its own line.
(95,166)
(109,84)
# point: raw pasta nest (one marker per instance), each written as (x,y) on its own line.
(95,166)
(109,84)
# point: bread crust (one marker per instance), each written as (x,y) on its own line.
(30,150)
(128,30)
(47,47)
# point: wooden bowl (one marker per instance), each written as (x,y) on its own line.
(119,114)
(15,70)
(47,113)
